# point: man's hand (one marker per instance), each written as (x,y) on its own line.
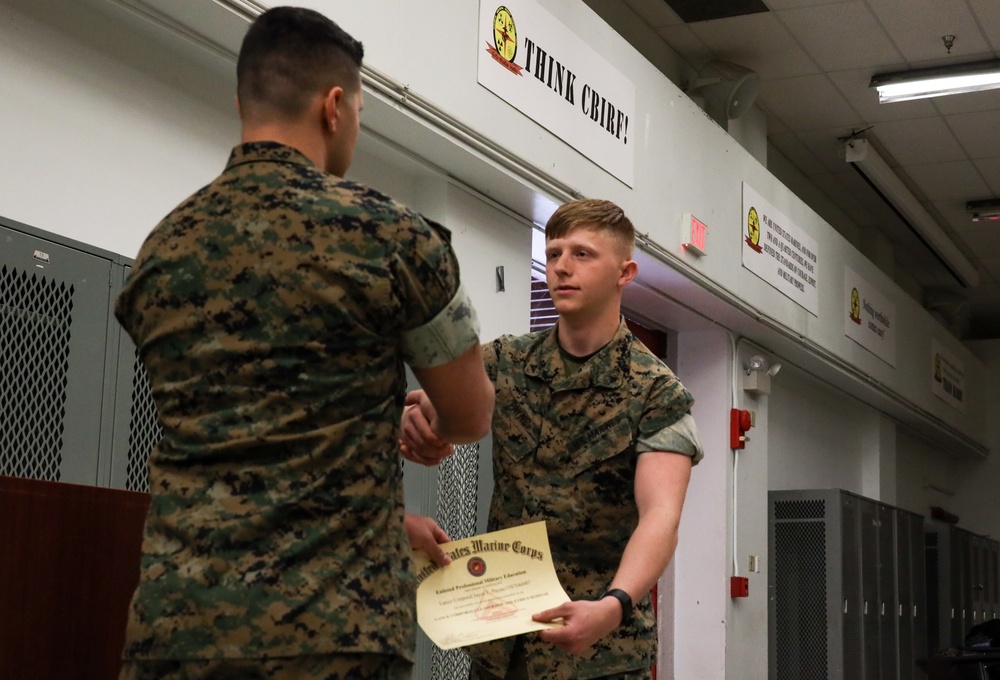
(584,623)
(426,535)
(417,441)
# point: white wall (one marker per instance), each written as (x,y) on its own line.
(816,435)
(104,129)
(701,563)
(977,483)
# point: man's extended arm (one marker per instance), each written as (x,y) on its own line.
(661,480)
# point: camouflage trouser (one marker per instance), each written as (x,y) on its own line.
(316,667)
(518,670)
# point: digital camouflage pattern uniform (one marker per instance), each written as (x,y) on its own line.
(565,446)
(273,311)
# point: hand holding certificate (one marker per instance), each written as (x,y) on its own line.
(493,585)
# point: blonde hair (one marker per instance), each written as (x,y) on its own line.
(596,214)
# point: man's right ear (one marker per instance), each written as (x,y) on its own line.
(331,107)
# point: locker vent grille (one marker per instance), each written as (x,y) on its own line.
(815,509)
(144,432)
(458,480)
(800,592)
(933,575)
(35,319)
(931,540)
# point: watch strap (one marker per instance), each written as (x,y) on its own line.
(624,600)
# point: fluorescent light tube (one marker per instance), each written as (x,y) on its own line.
(937,82)
(873,167)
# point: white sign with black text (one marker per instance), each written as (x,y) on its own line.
(548,73)
(779,251)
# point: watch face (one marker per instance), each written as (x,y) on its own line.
(504,33)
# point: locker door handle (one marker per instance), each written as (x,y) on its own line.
(914,611)
(900,609)
(883,609)
(952,612)
(845,605)
(866,608)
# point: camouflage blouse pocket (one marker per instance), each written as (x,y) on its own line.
(515,431)
(593,446)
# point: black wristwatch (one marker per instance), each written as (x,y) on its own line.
(625,601)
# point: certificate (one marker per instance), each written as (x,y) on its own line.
(493,585)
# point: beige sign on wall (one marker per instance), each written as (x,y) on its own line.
(869,317)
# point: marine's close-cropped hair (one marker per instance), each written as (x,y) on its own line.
(288,56)
(592,213)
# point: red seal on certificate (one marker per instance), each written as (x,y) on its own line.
(476,566)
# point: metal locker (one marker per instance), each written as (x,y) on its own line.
(55,414)
(904,602)
(919,606)
(888,616)
(137,434)
(852,628)
(816,607)
(871,653)
(845,587)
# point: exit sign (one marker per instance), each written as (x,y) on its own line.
(693,235)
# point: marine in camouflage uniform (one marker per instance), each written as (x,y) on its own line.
(565,441)
(273,311)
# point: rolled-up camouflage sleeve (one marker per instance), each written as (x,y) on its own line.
(666,423)
(437,321)
(445,337)
(681,437)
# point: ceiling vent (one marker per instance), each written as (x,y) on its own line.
(706,10)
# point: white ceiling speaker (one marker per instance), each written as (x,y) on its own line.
(729,90)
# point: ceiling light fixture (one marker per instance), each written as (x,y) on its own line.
(902,86)
(984,211)
(886,182)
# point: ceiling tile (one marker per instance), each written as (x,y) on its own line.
(916,28)
(759,42)
(789,4)
(686,43)
(990,169)
(988,15)
(864,45)
(951,181)
(792,148)
(978,133)
(914,141)
(991,265)
(985,241)
(808,103)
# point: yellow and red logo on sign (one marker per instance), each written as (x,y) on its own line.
(855,306)
(753,230)
(504,46)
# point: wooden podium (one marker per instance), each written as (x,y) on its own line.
(69,562)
